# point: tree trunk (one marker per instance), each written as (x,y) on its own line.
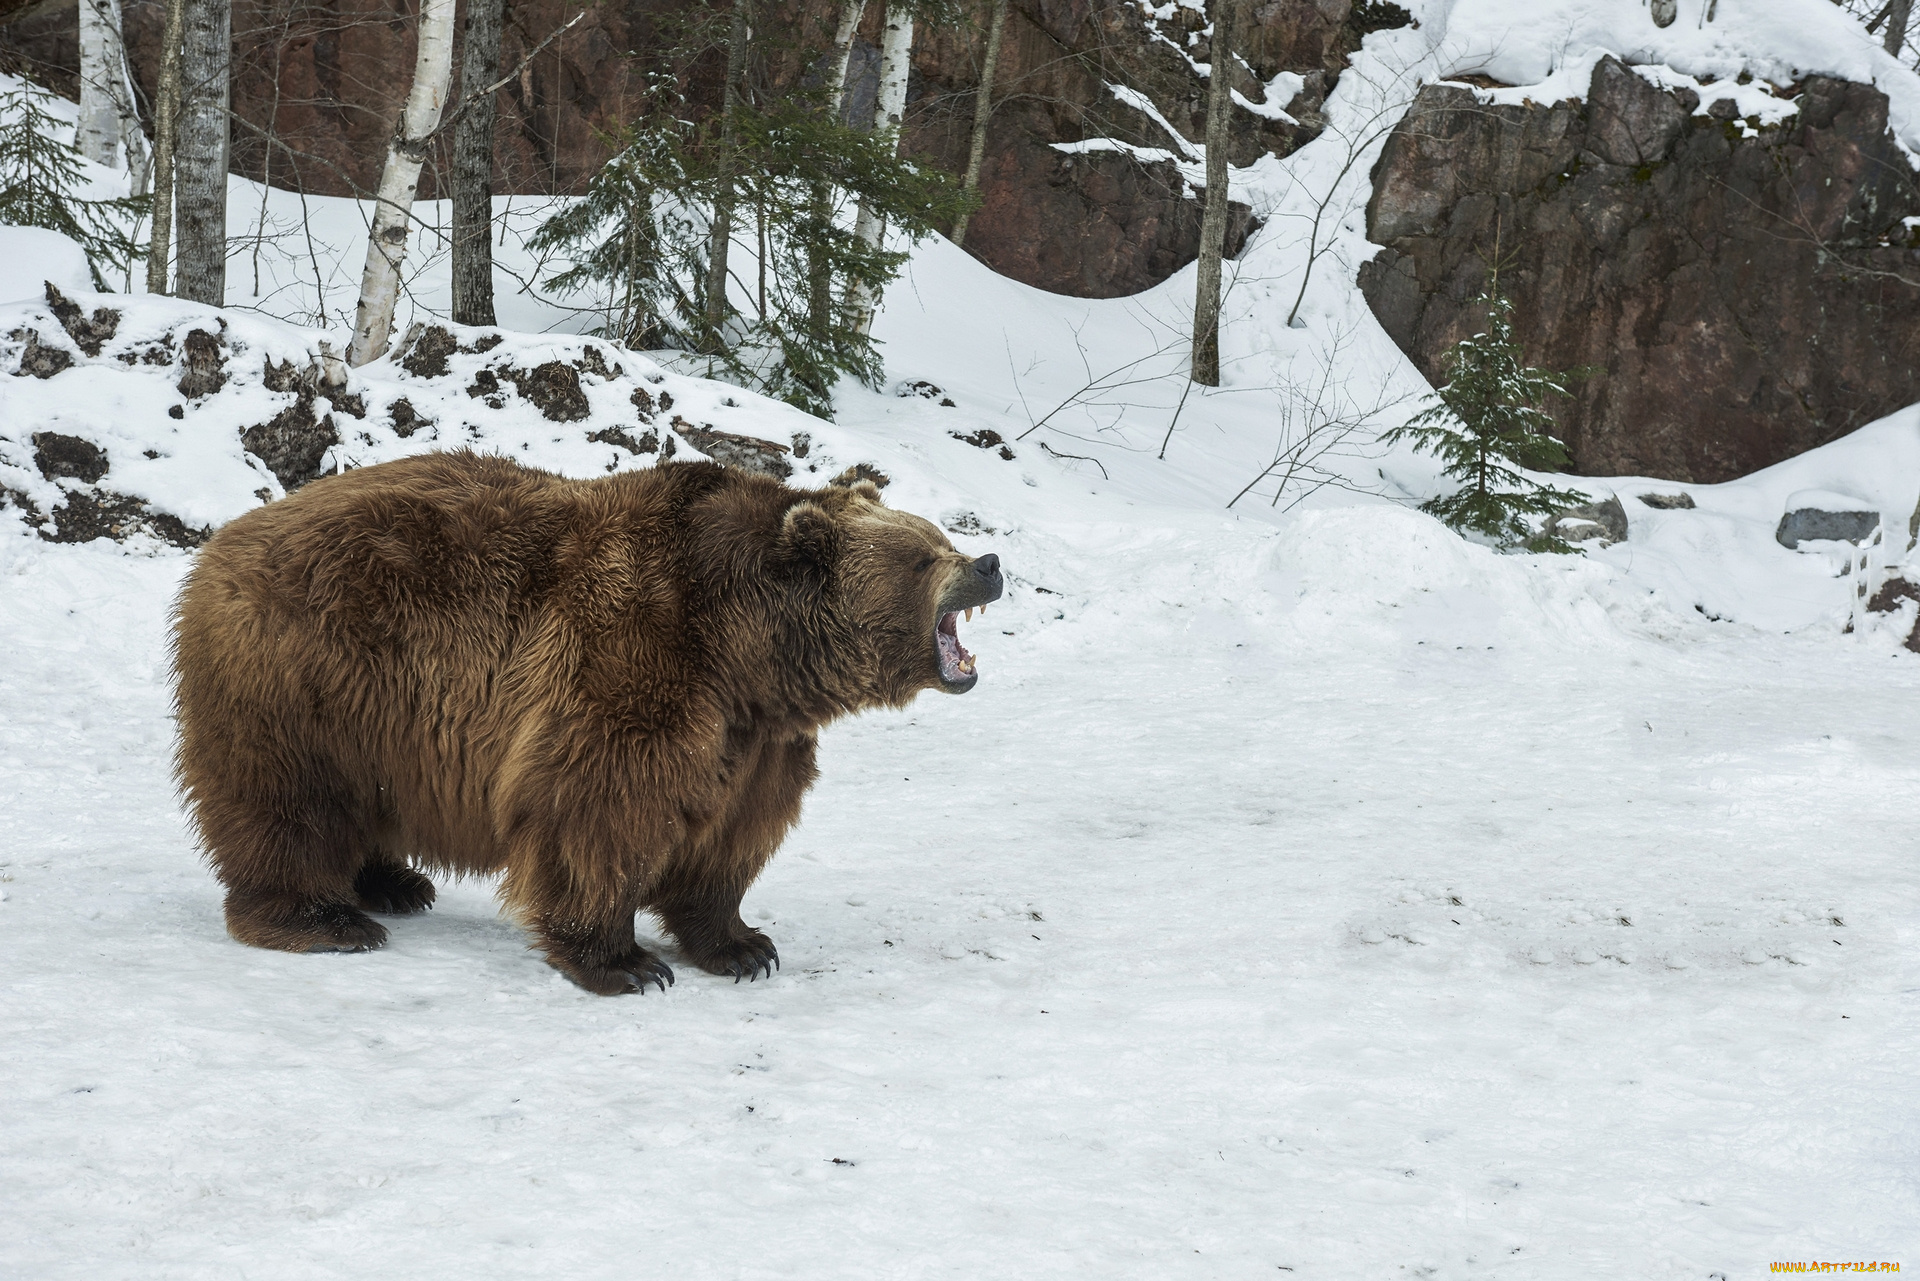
(138,157)
(721,237)
(982,112)
(97,133)
(1897,15)
(819,276)
(889,109)
(399,180)
(166,116)
(200,159)
(850,15)
(473,169)
(639,329)
(1213,222)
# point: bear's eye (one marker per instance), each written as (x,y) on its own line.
(924,565)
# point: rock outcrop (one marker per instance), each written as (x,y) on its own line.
(1735,293)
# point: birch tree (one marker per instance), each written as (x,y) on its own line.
(473,168)
(982,113)
(166,119)
(1213,223)
(132,139)
(399,180)
(720,238)
(97,133)
(889,111)
(819,269)
(200,151)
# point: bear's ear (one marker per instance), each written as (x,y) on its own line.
(868,490)
(808,535)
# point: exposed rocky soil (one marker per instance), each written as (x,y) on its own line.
(1738,294)
(232,406)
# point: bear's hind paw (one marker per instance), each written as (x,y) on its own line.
(630,972)
(287,924)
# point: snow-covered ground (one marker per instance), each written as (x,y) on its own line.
(1343,899)
(1301,891)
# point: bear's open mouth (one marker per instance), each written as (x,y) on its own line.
(956,664)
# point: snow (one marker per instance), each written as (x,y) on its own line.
(1142,103)
(1303,889)
(1552,44)
(1264,908)
(1279,91)
(30,257)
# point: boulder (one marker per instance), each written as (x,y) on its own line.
(58,455)
(37,360)
(293,444)
(1605,520)
(424,354)
(1739,299)
(554,387)
(202,372)
(1814,524)
(1893,594)
(748,453)
(88,333)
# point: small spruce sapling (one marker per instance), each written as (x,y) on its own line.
(639,239)
(39,179)
(1487,424)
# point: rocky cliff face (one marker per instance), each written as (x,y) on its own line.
(327,77)
(1740,294)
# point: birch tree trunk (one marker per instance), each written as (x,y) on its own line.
(850,14)
(721,233)
(97,133)
(200,152)
(889,109)
(137,154)
(166,117)
(982,112)
(819,276)
(399,180)
(1213,222)
(473,168)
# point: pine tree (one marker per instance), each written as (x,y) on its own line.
(1486,424)
(641,237)
(39,177)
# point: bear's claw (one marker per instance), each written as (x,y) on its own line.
(644,967)
(747,958)
(754,967)
(392,889)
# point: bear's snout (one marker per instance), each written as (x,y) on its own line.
(988,568)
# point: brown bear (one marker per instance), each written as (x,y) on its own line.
(608,690)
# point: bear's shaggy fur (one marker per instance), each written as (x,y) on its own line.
(608,690)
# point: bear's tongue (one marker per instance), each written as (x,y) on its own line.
(955,662)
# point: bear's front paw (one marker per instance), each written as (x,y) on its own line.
(746,957)
(631,971)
